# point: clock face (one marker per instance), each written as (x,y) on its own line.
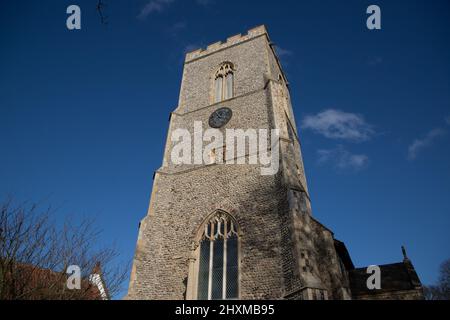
(220,117)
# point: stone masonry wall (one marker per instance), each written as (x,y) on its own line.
(282,249)
(184,195)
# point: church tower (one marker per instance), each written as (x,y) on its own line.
(225,230)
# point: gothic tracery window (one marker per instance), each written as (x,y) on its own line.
(223,83)
(218,259)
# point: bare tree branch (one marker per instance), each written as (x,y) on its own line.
(440,291)
(100,9)
(35,254)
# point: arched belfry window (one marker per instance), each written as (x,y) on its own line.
(218,259)
(223,82)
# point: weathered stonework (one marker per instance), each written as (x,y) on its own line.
(284,253)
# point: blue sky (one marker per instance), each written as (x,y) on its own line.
(84,114)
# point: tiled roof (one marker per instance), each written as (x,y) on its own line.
(394,277)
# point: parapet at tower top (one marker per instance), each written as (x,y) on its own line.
(252,33)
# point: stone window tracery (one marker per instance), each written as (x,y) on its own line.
(218,259)
(224,82)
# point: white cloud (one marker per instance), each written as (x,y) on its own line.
(373,61)
(175,29)
(154,6)
(282,52)
(419,144)
(336,124)
(191,47)
(160,5)
(342,159)
(447,120)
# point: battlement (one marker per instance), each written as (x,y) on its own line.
(252,33)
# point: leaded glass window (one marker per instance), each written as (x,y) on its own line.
(229,86)
(218,259)
(218,89)
(224,82)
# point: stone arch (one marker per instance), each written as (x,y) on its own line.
(223,82)
(224,68)
(222,230)
(232,209)
(200,228)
